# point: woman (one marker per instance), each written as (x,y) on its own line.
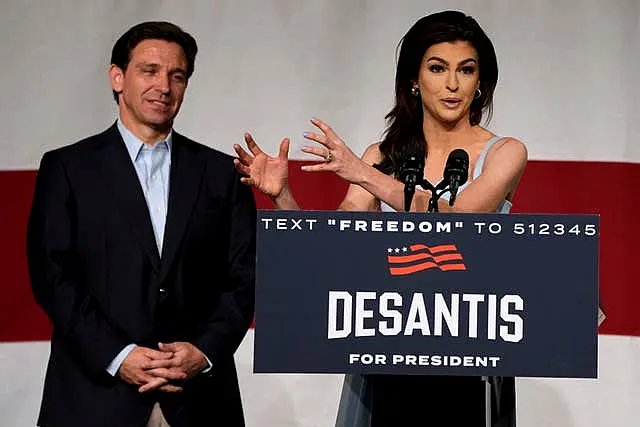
(446,75)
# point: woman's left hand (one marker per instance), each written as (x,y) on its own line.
(337,157)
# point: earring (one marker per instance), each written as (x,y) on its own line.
(415,91)
(478,93)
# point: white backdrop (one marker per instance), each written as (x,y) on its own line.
(568,82)
(568,88)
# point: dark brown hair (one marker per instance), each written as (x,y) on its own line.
(404,133)
(152,30)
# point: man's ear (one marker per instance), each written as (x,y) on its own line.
(116,77)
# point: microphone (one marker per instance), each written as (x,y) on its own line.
(411,173)
(456,172)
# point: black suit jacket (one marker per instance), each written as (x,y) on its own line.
(96,271)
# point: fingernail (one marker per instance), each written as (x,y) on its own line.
(304,168)
(306,134)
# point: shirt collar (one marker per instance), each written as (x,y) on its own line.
(134,144)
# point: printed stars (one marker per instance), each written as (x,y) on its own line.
(397,250)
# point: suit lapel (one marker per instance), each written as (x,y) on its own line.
(119,172)
(184,186)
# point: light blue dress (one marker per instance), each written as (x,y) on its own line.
(355,405)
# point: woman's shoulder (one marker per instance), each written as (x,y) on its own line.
(507,149)
(372,154)
(495,141)
(508,140)
(508,144)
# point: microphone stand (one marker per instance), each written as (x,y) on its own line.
(436,192)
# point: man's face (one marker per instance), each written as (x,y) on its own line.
(152,86)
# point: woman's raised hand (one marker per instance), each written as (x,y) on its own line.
(336,156)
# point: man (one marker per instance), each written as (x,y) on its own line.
(141,250)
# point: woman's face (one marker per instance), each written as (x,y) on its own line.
(448,79)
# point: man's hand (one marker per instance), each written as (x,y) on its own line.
(150,369)
(187,360)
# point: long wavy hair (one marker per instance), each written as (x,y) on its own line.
(404,133)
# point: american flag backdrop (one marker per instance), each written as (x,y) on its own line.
(568,88)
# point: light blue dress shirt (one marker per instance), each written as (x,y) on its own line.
(152,164)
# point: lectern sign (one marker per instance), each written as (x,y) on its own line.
(440,294)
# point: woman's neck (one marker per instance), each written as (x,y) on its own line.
(444,137)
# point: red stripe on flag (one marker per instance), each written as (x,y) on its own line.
(402,271)
(576,188)
(418,257)
(20,318)
(435,249)
(410,269)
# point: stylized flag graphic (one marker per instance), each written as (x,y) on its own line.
(414,258)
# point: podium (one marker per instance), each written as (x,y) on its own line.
(429,294)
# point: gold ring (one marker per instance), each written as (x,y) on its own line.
(329,156)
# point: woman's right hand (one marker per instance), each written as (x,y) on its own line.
(268,174)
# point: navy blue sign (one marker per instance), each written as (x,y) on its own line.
(433,294)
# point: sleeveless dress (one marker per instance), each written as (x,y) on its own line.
(424,400)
